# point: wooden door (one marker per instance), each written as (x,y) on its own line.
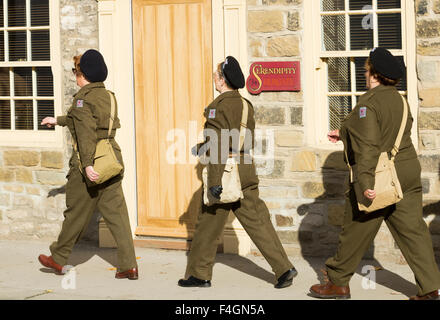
(173,85)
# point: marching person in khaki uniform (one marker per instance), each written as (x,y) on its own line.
(88,122)
(371,128)
(225,112)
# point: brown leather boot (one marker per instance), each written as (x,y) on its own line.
(330,291)
(48,262)
(131,274)
(429,296)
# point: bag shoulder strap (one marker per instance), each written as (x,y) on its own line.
(401,130)
(243,123)
(112,113)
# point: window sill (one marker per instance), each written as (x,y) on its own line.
(32,139)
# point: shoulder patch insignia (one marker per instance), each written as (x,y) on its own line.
(362,112)
(79,103)
(211,114)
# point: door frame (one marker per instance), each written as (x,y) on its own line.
(113,16)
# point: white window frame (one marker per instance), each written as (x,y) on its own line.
(37,138)
(316,111)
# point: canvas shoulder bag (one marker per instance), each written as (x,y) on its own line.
(105,162)
(387,185)
(230,179)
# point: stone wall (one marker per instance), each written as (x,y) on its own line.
(428,71)
(32,197)
(305,192)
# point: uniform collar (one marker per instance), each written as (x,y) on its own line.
(224,95)
(89,87)
(381,87)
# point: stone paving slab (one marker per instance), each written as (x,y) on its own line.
(234,277)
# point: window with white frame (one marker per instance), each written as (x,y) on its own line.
(349,30)
(26,85)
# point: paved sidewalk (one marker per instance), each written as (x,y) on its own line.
(235,277)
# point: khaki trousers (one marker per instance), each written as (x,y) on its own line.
(405,223)
(81,203)
(255,219)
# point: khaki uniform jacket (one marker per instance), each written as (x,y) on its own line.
(225,112)
(371,128)
(88,121)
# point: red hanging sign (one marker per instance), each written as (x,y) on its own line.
(274,76)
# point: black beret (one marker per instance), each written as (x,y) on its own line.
(232,72)
(386,64)
(93,66)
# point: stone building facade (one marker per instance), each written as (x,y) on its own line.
(304,192)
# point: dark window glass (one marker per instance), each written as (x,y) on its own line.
(390,30)
(361,32)
(339,74)
(2,17)
(44,82)
(388,4)
(361,4)
(332,5)
(17,46)
(339,108)
(24,115)
(4,82)
(360,73)
(40,45)
(5,114)
(17,13)
(2,46)
(45,109)
(401,86)
(39,13)
(23,82)
(334,32)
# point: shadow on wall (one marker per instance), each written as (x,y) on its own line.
(318,233)
(431,210)
(235,261)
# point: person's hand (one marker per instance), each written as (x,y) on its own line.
(92,174)
(333,136)
(49,122)
(370,194)
(216,191)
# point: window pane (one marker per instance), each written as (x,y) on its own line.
(332,5)
(333,33)
(24,115)
(44,82)
(339,108)
(40,45)
(388,4)
(361,32)
(2,17)
(339,74)
(361,4)
(360,73)
(5,114)
(17,13)
(23,82)
(390,30)
(4,82)
(39,13)
(2,46)
(402,83)
(45,109)
(17,46)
